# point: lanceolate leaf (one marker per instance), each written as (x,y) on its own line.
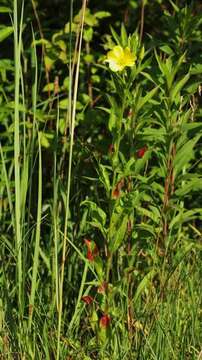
(97,215)
(179,257)
(192,128)
(4,9)
(146,281)
(185,154)
(189,186)
(104,177)
(140,163)
(153,215)
(117,232)
(184,216)
(5,32)
(179,85)
(115,36)
(143,100)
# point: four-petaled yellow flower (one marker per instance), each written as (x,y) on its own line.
(118,58)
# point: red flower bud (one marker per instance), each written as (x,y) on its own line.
(90,255)
(130,113)
(88,243)
(118,188)
(102,288)
(87,299)
(115,193)
(111,149)
(141,152)
(105,321)
(92,251)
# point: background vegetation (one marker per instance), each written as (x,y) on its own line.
(101,179)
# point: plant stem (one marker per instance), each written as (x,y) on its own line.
(18,235)
(72,126)
(37,242)
(142,20)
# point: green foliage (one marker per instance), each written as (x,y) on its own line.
(100,191)
(5,32)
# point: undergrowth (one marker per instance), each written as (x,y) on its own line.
(100,189)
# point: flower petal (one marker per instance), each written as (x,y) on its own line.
(118,51)
(129,58)
(115,66)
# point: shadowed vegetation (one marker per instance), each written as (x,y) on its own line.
(101,179)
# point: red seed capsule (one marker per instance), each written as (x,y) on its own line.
(141,152)
(87,299)
(92,251)
(88,243)
(130,113)
(111,149)
(102,288)
(90,256)
(115,193)
(105,321)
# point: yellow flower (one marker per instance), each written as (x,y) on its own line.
(119,58)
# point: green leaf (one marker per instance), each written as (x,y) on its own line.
(140,163)
(129,167)
(114,114)
(21,107)
(89,20)
(190,186)
(185,154)
(5,32)
(148,76)
(166,49)
(48,87)
(117,231)
(41,42)
(163,68)
(175,7)
(124,36)
(145,227)
(64,103)
(99,267)
(44,140)
(179,257)
(184,216)
(49,62)
(153,215)
(97,215)
(112,121)
(4,9)
(178,86)
(88,34)
(115,36)
(6,64)
(146,281)
(196,69)
(102,14)
(143,100)
(104,178)
(94,320)
(192,128)
(152,134)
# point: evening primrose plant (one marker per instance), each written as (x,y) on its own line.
(101,228)
(141,216)
(116,224)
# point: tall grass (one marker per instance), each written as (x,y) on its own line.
(18,230)
(72,114)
